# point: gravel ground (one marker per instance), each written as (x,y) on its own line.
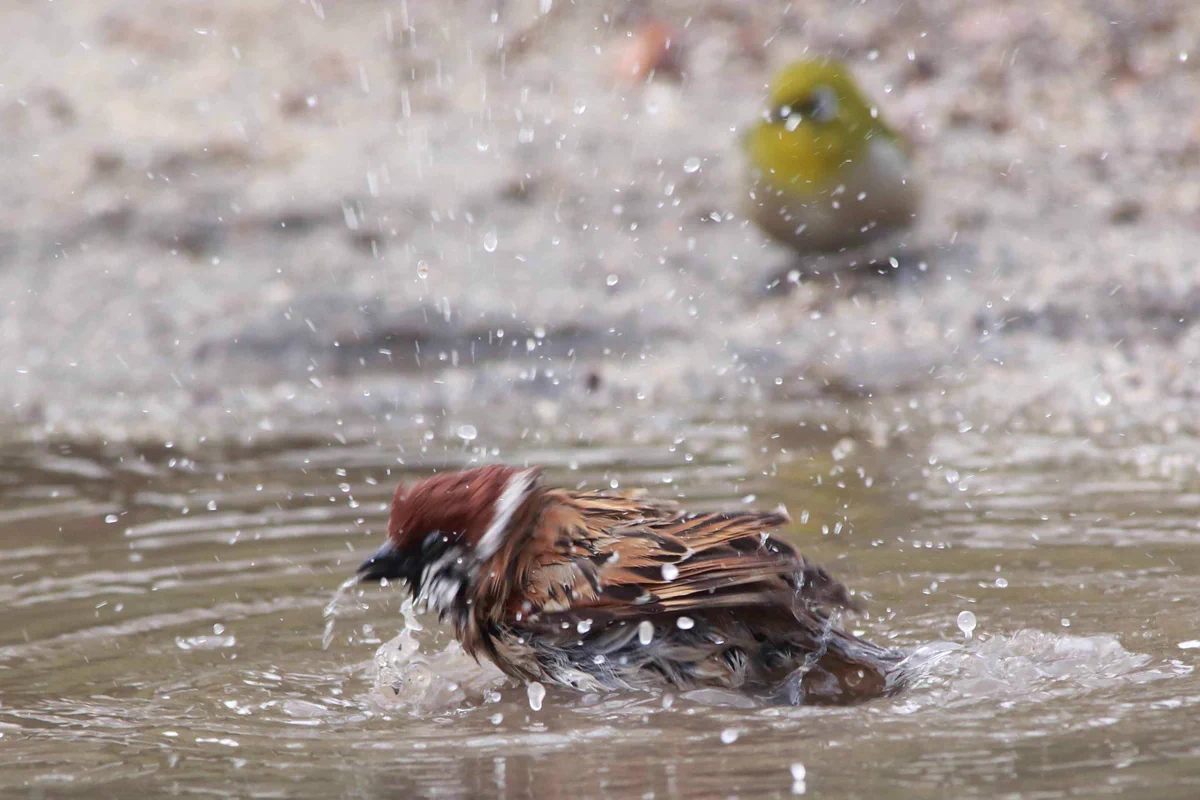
(235,219)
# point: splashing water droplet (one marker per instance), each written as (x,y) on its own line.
(966,623)
(333,607)
(537,693)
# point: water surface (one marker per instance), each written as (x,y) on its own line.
(165,624)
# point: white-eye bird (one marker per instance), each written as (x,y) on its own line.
(826,172)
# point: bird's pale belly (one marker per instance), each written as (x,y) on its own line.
(873,198)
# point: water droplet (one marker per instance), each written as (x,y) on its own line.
(490,241)
(580,106)
(966,623)
(1001,583)
(799,772)
(467,432)
(584,625)
(537,693)
(482,145)
(1066,623)
(1103,398)
(685,623)
(670,572)
(691,165)
(645,632)
(729,735)
(422,269)
(611,280)
(1190,644)
(111,518)
(218,629)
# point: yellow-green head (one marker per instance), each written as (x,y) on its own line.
(817,121)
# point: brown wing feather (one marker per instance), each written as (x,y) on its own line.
(625,555)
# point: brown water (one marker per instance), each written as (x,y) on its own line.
(165,625)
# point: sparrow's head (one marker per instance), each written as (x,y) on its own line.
(815,124)
(443,528)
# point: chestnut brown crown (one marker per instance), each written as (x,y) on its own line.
(459,504)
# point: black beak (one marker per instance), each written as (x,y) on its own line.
(386,563)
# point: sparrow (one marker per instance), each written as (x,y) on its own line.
(605,590)
(825,172)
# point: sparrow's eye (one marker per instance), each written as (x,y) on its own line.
(819,106)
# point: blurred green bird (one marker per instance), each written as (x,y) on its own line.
(826,172)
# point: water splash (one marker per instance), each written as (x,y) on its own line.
(412,672)
(1028,664)
(335,606)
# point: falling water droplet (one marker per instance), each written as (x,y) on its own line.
(1103,398)
(691,165)
(467,432)
(670,572)
(422,269)
(584,625)
(490,241)
(537,693)
(645,632)
(685,623)
(580,106)
(611,280)
(966,623)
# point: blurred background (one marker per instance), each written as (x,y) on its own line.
(259,260)
(224,216)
